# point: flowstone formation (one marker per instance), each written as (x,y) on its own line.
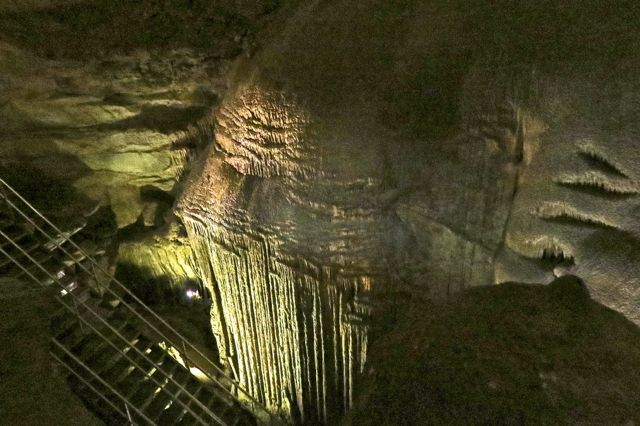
(576,210)
(289,316)
(408,147)
(342,170)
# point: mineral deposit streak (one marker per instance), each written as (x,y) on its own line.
(293,332)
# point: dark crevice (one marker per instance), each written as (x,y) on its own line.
(599,162)
(567,219)
(597,190)
(162,118)
(554,257)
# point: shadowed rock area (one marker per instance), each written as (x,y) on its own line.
(510,354)
(31,391)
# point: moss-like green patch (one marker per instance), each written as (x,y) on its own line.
(509,354)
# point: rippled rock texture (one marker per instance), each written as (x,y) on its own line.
(420,147)
(362,150)
(103,94)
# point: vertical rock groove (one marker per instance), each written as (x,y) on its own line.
(295,333)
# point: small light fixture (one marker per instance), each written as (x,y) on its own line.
(192,294)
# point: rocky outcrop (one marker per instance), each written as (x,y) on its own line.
(109,127)
(102,94)
(354,159)
(486,350)
(166,257)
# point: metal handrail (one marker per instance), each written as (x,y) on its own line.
(115,331)
(118,394)
(88,384)
(157,367)
(101,395)
(118,297)
(254,402)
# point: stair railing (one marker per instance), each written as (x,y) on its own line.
(103,337)
(71,370)
(261,412)
(78,376)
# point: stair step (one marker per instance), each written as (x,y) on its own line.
(179,409)
(157,355)
(184,410)
(189,421)
(16,233)
(72,333)
(74,337)
(193,403)
(82,303)
(160,401)
(124,338)
(50,262)
(64,237)
(119,371)
(62,320)
(104,360)
(135,387)
(219,407)
(172,415)
(103,410)
(6,263)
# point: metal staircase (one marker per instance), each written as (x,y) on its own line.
(126,363)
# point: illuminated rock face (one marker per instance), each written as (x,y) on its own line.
(361,154)
(313,202)
(290,260)
(577,204)
(110,127)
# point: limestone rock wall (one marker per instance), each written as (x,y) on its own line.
(323,191)
(166,257)
(108,127)
(102,94)
(294,333)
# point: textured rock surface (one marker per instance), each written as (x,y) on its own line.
(102,93)
(167,256)
(577,202)
(314,196)
(365,149)
(510,354)
(353,159)
(109,127)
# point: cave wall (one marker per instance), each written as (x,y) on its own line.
(326,189)
(345,154)
(102,95)
(412,160)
